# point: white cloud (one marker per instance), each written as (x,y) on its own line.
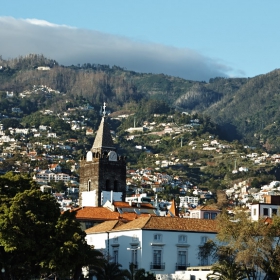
(69,45)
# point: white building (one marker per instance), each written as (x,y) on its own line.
(185,201)
(48,176)
(204,212)
(161,245)
(267,209)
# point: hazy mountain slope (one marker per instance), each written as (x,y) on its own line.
(246,108)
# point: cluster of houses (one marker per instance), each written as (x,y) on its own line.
(146,232)
(164,243)
(38,89)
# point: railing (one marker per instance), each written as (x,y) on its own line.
(182,266)
(157,266)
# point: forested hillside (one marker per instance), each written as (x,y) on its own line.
(246,108)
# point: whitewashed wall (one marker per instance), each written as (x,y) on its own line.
(122,240)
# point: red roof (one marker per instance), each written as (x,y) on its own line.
(96,213)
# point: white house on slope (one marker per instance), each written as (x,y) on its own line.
(269,207)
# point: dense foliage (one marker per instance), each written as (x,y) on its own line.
(35,238)
(245,248)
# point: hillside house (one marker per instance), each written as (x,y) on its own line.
(55,167)
(204,212)
(268,208)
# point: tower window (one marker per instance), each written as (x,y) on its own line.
(115,186)
(107,185)
(89,185)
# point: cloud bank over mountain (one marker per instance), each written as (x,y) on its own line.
(69,45)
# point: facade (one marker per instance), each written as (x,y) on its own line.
(161,245)
(47,176)
(103,171)
(204,212)
(267,209)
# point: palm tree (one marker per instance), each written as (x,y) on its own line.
(111,271)
(226,270)
(139,274)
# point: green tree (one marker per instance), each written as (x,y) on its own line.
(36,239)
(252,247)
(225,270)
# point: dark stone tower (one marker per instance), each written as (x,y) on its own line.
(103,169)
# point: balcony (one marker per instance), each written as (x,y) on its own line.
(182,266)
(159,266)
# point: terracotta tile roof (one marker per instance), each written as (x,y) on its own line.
(168,223)
(146,215)
(143,205)
(129,216)
(103,227)
(135,224)
(121,204)
(207,207)
(96,213)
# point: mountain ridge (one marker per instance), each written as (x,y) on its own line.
(246,108)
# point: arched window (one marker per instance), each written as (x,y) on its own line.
(115,186)
(107,185)
(89,185)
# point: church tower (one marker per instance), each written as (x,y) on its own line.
(103,172)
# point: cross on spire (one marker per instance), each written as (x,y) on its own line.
(104,111)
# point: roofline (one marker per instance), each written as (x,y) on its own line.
(173,230)
(97,219)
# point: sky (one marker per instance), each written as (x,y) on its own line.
(192,39)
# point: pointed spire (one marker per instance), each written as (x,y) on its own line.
(103,139)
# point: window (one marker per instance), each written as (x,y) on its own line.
(88,224)
(204,261)
(134,257)
(265,211)
(157,255)
(157,237)
(255,212)
(107,185)
(116,186)
(89,185)
(274,211)
(204,239)
(206,215)
(115,256)
(213,216)
(181,260)
(182,239)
